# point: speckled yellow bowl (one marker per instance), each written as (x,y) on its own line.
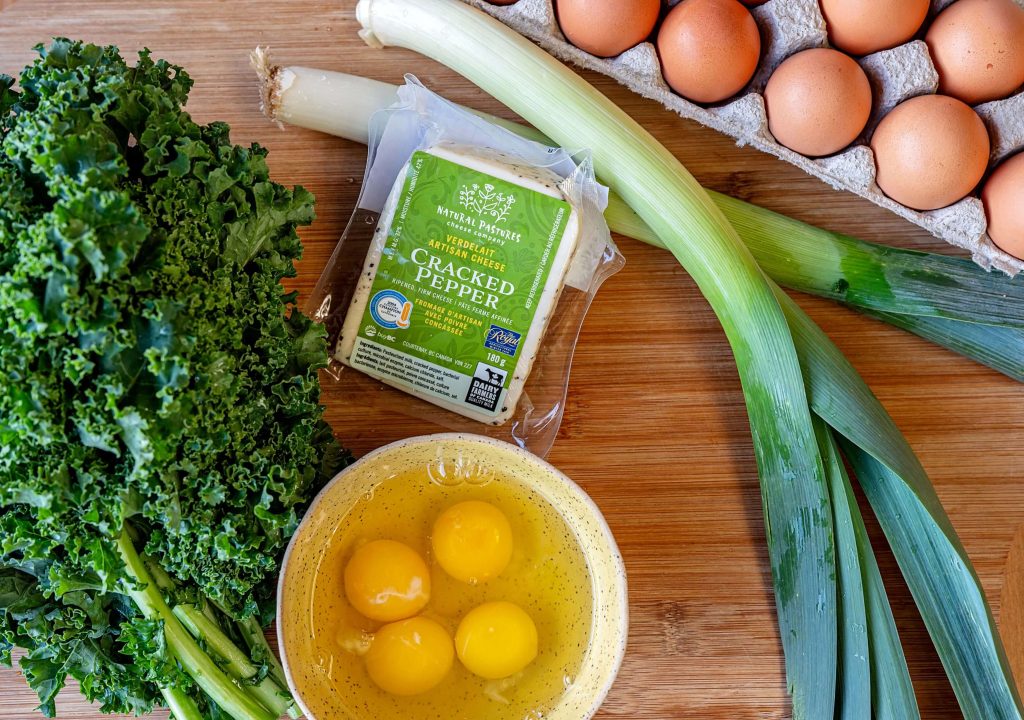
(610,619)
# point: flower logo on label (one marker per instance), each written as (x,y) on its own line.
(391,310)
(486,200)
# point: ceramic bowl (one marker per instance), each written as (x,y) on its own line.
(609,623)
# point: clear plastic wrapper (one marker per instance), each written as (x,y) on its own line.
(457,292)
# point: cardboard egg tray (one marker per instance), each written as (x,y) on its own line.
(787,27)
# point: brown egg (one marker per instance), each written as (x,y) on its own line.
(1003,196)
(930,151)
(978,49)
(607,27)
(862,27)
(709,49)
(818,102)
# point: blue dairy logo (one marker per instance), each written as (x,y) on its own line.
(503,340)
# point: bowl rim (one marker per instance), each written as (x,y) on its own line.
(619,623)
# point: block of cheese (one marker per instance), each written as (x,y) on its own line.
(461,280)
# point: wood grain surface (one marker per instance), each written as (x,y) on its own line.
(1011,621)
(655,429)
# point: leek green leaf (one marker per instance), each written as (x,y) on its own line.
(946,590)
(927,549)
(1000,348)
(868,276)
(853,691)
(892,693)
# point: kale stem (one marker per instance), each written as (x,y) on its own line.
(167,584)
(182,706)
(232,699)
(203,625)
(163,581)
(208,611)
(254,638)
(236,662)
(252,633)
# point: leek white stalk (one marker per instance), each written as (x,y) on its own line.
(313,102)
(653,182)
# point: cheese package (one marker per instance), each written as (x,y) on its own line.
(452,307)
(464,275)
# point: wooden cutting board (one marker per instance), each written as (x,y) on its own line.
(655,428)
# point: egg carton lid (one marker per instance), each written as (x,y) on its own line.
(787,27)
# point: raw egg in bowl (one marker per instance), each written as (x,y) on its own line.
(452,576)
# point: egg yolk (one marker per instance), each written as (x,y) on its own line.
(472,541)
(496,639)
(387,581)
(410,657)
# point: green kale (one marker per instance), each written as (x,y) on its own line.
(160,388)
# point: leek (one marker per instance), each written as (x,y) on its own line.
(872,634)
(853,693)
(892,694)
(871,277)
(946,590)
(1000,348)
(309,98)
(949,301)
(795,497)
(933,561)
(565,107)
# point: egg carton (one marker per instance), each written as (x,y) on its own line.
(787,27)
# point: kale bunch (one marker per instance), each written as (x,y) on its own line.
(160,422)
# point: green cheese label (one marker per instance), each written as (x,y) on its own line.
(460,279)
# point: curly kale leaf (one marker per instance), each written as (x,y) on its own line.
(155,371)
